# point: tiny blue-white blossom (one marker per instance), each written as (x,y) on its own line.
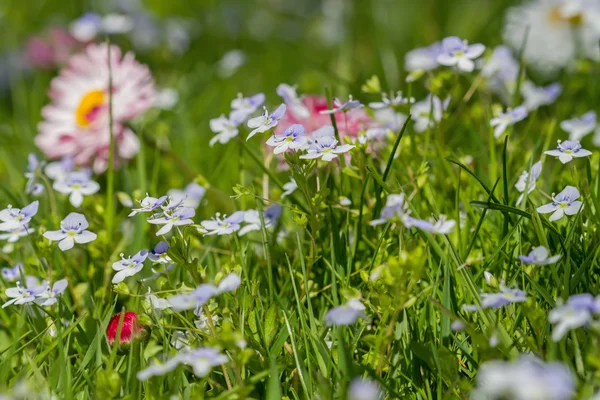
(394,208)
(77,184)
(568,150)
(535,97)
(364,389)
(226,128)
(523,184)
(539,256)
(159,254)
(506,119)
(14,273)
(148,204)
(326,148)
(579,127)
(129,266)
(179,217)
(338,105)
(32,186)
(441,226)
(456,52)
(563,203)
(289,187)
(266,121)
(579,311)
(292,100)
(190,196)
(222,226)
(73,229)
(292,138)
(503,297)
(14,235)
(428,112)
(395,101)
(252,219)
(58,170)
(423,58)
(16,218)
(242,107)
(22,295)
(346,314)
(49,296)
(202,360)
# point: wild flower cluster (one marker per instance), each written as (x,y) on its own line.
(423,241)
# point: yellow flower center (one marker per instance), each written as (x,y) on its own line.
(88,107)
(556,16)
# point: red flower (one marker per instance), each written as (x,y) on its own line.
(129,328)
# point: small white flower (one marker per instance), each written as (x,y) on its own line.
(266,121)
(292,138)
(521,185)
(77,184)
(568,150)
(539,256)
(225,128)
(222,226)
(504,120)
(564,203)
(130,266)
(180,217)
(326,148)
(456,52)
(289,187)
(72,230)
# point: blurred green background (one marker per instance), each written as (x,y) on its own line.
(312,43)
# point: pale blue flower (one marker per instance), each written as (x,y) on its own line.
(577,312)
(242,107)
(579,127)
(199,297)
(395,101)
(394,208)
(72,230)
(338,105)
(48,296)
(252,219)
(289,187)
(563,203)
(441,226)
(32,186)
(427,113)
(148,204)
(229,283)
(292,138)
(456,52)
(77,184)
(21,295)
(17,218)
(226,128)
(14,273)
(179,217)
(539,256)
(364,389)
(326,148)
(222,226)
(14,235)
(506,119)
(568,150)
(535,97)
(504,297)
(159,254)
(129,266)
(266,121)
(423,58)
(58,170)
(190,196)
(522,185)
(346,314)
(202,360)
(292,100)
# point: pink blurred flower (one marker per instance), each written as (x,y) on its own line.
(51,48)
(76,123)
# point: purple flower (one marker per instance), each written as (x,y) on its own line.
(48,297)
(428,112)
(199,297)
(292,138)
(442,225)
(579,127)
(17,218)
(129,266)
(423,58)
(179,217)
(510,117)
(347,314)
(72,230)
(148,204)
(32,187)
(504,297)
(159,254)
(13,273)
(522,184)
(77,184)
(266,121)
(338,105)
(539,256)
(458,53)
(242,107)
(229,283)
(563,203)
(58,170)
(326,148)
(21,295)
(568,150)
(222,226)
(577,312)
(535,97)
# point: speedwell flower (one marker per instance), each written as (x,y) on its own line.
(226,128)
(148,204)
(77,184)
(394,208)
(72,230)
(423,58)
(577,312)
(21,295)
(289,187)
(266,121)
(17,218)
(252,219)
(190,196)
(129,266)
(179,217)
(568,150)
(428,112)
(159,254)
(15,234)
(539,256)
(13,273)
(347,314)
(386,102)
(338,105)
(222,226)
(579,127)
(456,52)
(522,185)
(326,148)
(292,100)
(504,120)
(563,203)
(364,389)
(292,138)
(442,225)
(242,107)
(534,96)
(32,186)
(202,360)
(48,296)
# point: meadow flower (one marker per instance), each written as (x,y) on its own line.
(326,148)
(579,127)
(148,204)
(506,119)
(442,225)
(456,52)
(72,230)
(159,254)
(32,186)
(252,218)
(21,295)
(231,61)
(59,170)
(364,389)
(226,128)
(557,32)
(539,256)
(155,303)
(229,283)
(77,184)
(526,378)
(11,274)
(190,196)
(289,187)
(338,105)
(576,313)
(202,360)
(503,297)
(394,208)
(292,100)
(501,67)
(76,123)
(346,314)
(202,321)
(266,121)
(242,107)
(428,112)
(166,99)
(129,266)
(568,150)
(457,325)
(522,184)
(423,58)
(17,218)
(179,217)
(535,97)
(563,203)
(14,235)
(198,298)
(222,226)
(48,296)
(386,102)
(292,138)
(131,329)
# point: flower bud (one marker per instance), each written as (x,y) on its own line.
(131,330)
